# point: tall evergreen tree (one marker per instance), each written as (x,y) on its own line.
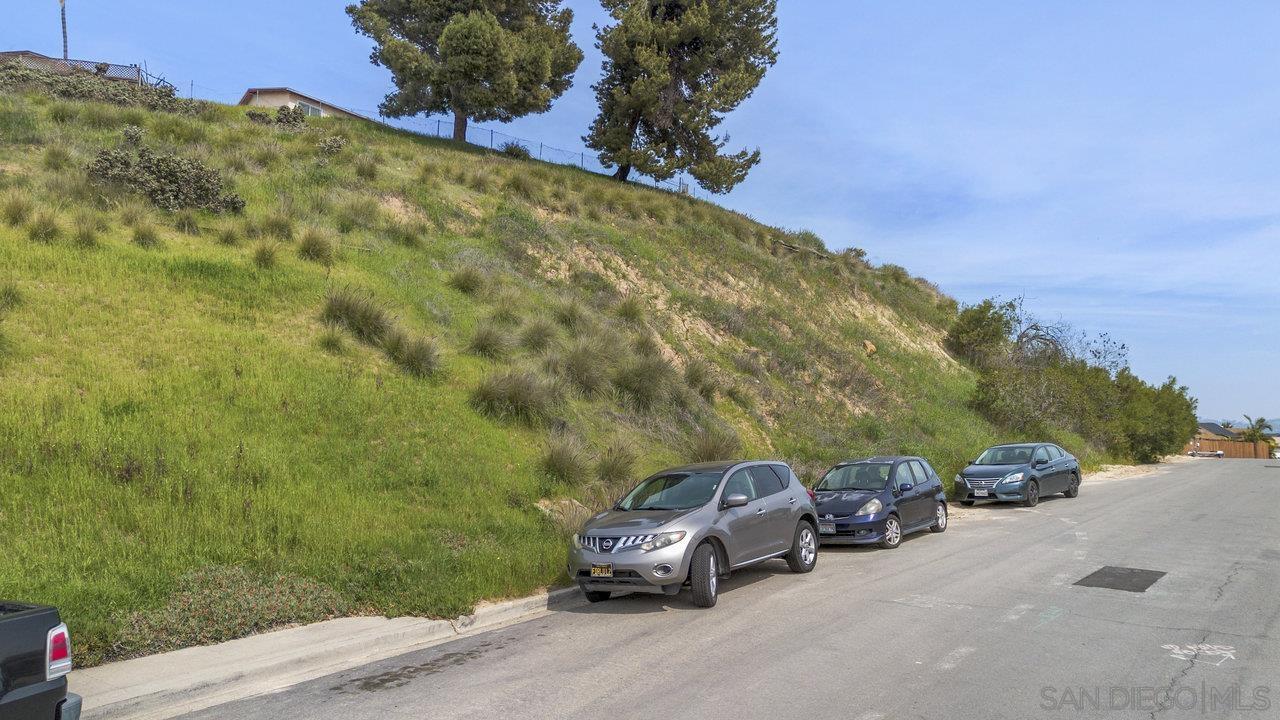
(673,69)
(476,59)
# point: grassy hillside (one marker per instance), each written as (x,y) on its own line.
(351,396)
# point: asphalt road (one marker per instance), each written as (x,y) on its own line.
(984,621)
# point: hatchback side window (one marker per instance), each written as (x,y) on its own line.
(922,475)
(767,481)
(902,475)
(740,483)
(1042,454)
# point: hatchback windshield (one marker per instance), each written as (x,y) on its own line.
(858,476)
(673,491)
(1005,456)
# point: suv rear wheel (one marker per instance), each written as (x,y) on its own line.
(704,576)
(804,548)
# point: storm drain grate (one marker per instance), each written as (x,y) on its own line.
(1121,578)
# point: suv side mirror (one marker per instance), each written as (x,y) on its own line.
(736,500)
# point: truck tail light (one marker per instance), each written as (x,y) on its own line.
(57,653)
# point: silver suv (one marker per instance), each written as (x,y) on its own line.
(694,524)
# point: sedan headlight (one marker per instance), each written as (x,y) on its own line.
(959,480)
(1013,477)
(871,507)
(577,541)
(663,540)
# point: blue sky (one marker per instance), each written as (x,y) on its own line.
(1116,163)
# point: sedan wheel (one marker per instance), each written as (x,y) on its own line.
(1073,487)
(1032,497)
(892,533)
(939,519)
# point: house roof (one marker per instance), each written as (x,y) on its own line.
(1216,429)
(244,99)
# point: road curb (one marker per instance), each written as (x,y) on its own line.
(163,686)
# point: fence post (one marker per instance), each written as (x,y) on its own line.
(582,160)
(539,151)
(437,127)
(490,138)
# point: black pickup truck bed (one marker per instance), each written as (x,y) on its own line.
(25,691)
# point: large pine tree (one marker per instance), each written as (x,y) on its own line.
(673,69)
(476,59)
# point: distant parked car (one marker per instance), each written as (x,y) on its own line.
(1207,453)
(1022,473)
(879,500)
(35,657)
(693,525)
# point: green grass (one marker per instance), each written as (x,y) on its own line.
(176,404)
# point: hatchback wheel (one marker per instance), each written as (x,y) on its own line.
(1073,487)
(1032,496)
(704,576)
(596,596)
(804,549)
(939,519)
(892,533)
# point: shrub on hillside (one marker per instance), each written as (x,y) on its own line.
(645,381)
(16,208)
(145,235)
(87,225)
(537,334)
(367,169)
(44,228)
(417,356)
(216,604)
(331,145)
(316,247)
(565,459)
(491,341)
(520,395)
(615,465)
(169,181)
(981,329)
(708,444)
(467,280)
(698,375)
(91,87)
(10,297)
(515,151)
(358,312)
(187,222)
(630,309)
(291,118)
(585,363)
(264,256)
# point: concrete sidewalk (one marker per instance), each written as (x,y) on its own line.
(171,684)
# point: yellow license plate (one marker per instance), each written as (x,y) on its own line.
(604,570)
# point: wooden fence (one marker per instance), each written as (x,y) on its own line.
(1231,448)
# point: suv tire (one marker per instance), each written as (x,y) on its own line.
(804,548)
(595,596)
(704,576)
(940,514)
(1031,497)
(1073,486)
(892,533)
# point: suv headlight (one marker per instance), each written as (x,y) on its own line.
(577,541)
(1013,477)
(663,540)
(871,507)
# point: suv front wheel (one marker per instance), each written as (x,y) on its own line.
(704,576)
(804,549)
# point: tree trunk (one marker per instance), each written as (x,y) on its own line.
(623,172)
(63,3)
(459,126)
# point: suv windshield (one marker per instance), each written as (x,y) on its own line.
(858,476)
(1005,456)
(672,491)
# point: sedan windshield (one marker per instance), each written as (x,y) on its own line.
(672,491)
(1005,456)
(858,476)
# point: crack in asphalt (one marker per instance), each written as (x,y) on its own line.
(1191,661)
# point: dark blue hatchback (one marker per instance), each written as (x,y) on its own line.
(878,501)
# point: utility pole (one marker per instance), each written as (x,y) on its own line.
(63,5)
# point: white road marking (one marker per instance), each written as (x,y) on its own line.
(930,602)
(954,657)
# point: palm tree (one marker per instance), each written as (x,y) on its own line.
(1256,430)
(63,4)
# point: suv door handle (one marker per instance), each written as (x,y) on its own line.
(760,511)
(791,501)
